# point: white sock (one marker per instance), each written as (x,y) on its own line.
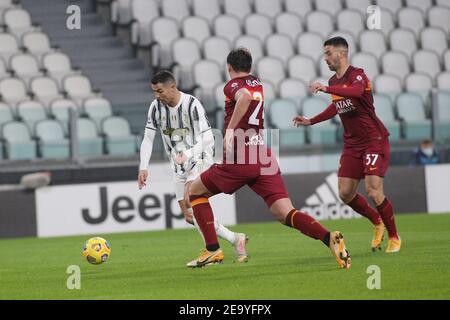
(222,232)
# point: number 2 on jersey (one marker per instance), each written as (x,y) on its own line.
(253,120)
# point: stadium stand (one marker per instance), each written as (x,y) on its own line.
(408,62)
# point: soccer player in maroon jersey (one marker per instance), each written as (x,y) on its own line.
(247,161)
(366,144)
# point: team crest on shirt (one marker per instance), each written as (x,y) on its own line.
(234,85)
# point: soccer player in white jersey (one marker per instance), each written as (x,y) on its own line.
(189,144)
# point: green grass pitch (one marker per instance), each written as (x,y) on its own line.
(283,265)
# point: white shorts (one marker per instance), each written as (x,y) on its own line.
(181,180)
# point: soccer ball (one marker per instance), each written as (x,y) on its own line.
(96,250)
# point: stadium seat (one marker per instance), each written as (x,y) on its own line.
(4,73)
(175,9)
(164,32)
(196,28)
(434,39)
(443,81)
(217,49)
(293,89)
(279,46)
(52,143)
(59,109)
(208,9)
(411,110)
(253,44)
(319,22)
(227,27)
(237,8)
(411,19)
(18,142)
(367,62)
(143,12)
(219,95)
(281,112)
(89,142)
(403,40)
(45,89)
(427,62)
(258,26)
(373,42)
(388,85)
(350,21)
(289,24)
(31,112)
(207,75)
(443,105)
(37,43)
(423,5)
(13,90)
(395,63)
(58,66)
(118,137)
(303,68)
(332,7)
(271,70)
(385,111)
(393,6)
(388,22)
(299,7)
(270,93)
(311,45)
(4,5)
(25,66)
(439,17)
(186,53)
(78,87)
(323,132)
(443,3)
(420,84)
(17,21)
(447,60)
(97,109)
(6,113)
(268,8)
(121,12)
(358,5)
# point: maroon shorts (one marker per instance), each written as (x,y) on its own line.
(371,160)
(228,178)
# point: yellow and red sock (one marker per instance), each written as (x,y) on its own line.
(205,220)
(387,214)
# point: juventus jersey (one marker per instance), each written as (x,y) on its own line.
(180,125)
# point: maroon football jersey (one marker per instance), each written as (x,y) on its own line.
(361,124)
(254,117)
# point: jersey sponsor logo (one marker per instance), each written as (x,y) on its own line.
(180,132)
(324,203)
(256,140)
(344,106)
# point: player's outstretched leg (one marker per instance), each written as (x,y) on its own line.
(349,195)
(314,229)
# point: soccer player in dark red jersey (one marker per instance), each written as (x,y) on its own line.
(366,144)
(247,161)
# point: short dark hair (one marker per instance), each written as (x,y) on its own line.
(336,42)
(163,76)
(240,59)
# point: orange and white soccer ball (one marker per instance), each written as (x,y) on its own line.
(96,250)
